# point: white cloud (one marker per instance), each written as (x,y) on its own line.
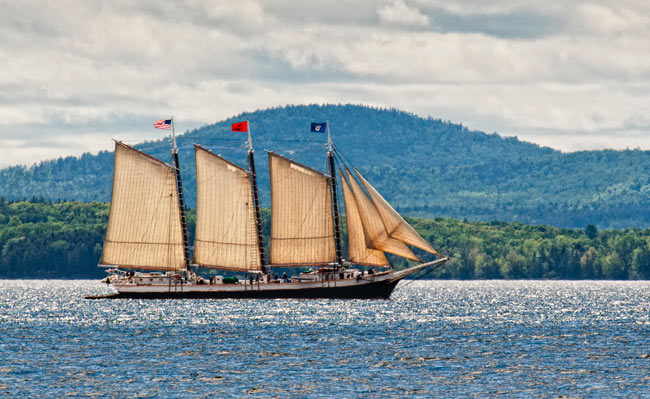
(400,13)
(604,20)
(82,69)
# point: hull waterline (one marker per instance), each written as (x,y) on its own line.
(377,290)
(372,287)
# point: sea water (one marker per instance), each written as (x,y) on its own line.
(451,339)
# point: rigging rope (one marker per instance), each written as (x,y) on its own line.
(344,160)
(259,140)
(418,278)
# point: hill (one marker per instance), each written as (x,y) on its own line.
(64,240)
(423,166)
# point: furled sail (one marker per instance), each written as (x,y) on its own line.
(373,226)
(302,229)
(395,225)
(226,232)
(144,225)
(357,250)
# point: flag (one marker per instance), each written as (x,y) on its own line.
(319,127)
(240,127)
(163,124)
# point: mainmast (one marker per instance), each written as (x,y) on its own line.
(335,204)
(181,202)
(256,201)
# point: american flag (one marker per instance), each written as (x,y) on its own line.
(163,124)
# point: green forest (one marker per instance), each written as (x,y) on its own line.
(425,167)
(41,239)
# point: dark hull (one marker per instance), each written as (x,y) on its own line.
(375,290)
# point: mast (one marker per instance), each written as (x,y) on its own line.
(256,201)
(335,204)
(181,202)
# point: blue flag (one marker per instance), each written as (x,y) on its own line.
(319,127)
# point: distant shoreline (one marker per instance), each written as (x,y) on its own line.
(64,240)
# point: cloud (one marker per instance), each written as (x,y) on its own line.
(552,72)
(604,20)
(401,14)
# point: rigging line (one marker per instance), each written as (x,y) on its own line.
(339,188)
(141,141)
(338,160)
(303,149)
(183,144)
(356,175)
(152,148)
(325,169)
(345,159)
(341,161)
(256,140)
(418,278)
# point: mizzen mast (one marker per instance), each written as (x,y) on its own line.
(335,204)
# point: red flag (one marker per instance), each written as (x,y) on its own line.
(240,127)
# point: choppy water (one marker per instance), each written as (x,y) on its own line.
(432,339)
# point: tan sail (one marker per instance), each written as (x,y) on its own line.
(373,226)
(302,229)
(357,250)
(226,233)
(396,226)
(144,228)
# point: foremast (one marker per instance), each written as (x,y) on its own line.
(181,201)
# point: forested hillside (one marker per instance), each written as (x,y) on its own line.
(41,240)
(424,167)
(64,240)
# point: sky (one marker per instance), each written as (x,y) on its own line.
(571,75)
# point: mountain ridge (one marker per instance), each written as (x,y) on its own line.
(425,167)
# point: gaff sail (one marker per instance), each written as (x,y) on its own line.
(144,224)
(302,229)
(226,234)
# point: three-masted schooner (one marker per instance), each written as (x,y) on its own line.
(147,231)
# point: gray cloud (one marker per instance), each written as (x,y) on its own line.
(76,73)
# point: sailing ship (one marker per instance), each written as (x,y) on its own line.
(147,252)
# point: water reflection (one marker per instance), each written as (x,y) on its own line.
(432,339)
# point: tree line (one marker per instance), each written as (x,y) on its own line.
(43,239)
